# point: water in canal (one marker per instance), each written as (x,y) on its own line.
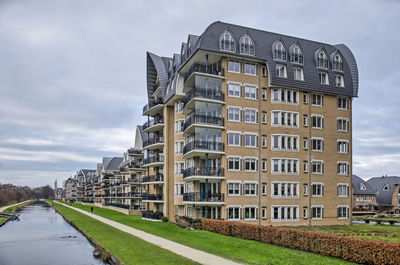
(43,237)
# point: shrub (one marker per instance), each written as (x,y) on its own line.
(164,219)
(357,250)
(366,221)
(378,221)
(392,222)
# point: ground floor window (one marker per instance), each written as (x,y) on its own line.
(250,213)
(285,213)
(343,212)
(233,213)
(317,212)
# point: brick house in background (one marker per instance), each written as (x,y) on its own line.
(364,196)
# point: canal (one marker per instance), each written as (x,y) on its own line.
(43,237)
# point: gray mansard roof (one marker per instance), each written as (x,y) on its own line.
(377,183)
(112,163)
(358,182)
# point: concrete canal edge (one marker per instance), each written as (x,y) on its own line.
(19,207)
(99,251)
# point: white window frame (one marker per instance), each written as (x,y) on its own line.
(293,118)
(345,165)
(322,143)
(234,84)
(323,76)
(321,189)
(177,189)
(339,80)
(294,190)
(347,212)
(264,93)
(251,187)
(346,146)
(342,101)
(250,158)
(321,162)
(294,165)
(252,112)
(281,70)
(280,219)
(346,189)
(344,121)
(288,139)
(234,133)
(297,70)
(264,189)
(236,63)
(250,73)
(317,100)
(255,207)
(250,134)
(178,126)
(317,116)
(264,117)
(264,212)
(229,108)
(240,163)
(322,212)
(248,90)
(234,182)
(264,165)
(264,142)
(239,214)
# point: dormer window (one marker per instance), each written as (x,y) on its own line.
(226,42)
(322,60)
(363,187)
(296,55)
(339,81)
(246,45)
(337,62)
(279,51)
(386,187)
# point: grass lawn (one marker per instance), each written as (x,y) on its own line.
(12,210)
(389,233)
(239,250)
(125,247)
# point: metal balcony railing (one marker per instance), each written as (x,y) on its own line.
(203,197)
(203,171)
(212,69)
(154,140)
(152,215)
(203,119)
(153,159)
(152,104)
(203,146)
(204,93)
(152,197)
(153,178)
(152,122)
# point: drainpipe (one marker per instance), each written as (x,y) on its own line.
(309,143)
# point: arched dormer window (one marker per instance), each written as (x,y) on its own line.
(386,187)
(322,60)
(296,55)
(362,186)
(246,45)
(226,42)
(337,62)
(279,51)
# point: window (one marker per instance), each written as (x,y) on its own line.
(304,212)
(342,103)
(284,190)
(264,164)
(234,67)
(234,188)
(264,93)
(284,119)
(305,189)
(296,55)
(343,146)
(179,167)
(317,100)
(234,90)
(386,187)
(285,142)
(233,213)
(343,190)
(339,81)
(298,73)
(317,144)
(179,147)
(342,124)
(264,71)
(246,45)
(317,167)
(287,96)
(234,114)
(343,212)
(317,121)
(317,212)
(284,166)
(264,189)
(179,189)
(305,166)
(178,126)
(305,120)
(317,190)
(234,139)
(264,141)
(305,96)
(264,117)
(226,42)
(250,92)
(250,189)
(281,70)
(250,212)
(322,60)
(179,106)
(337,62)
(323,78)
(362,186)
(250,140)
(250,69)
(234,163)
(250,115)
(284,213)
(279,51)
(305,141)
(250,164)
(343,168)
(264,212)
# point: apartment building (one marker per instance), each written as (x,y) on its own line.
(364,196)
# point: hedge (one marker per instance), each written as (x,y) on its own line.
(364,251)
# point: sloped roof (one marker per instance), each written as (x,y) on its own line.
(357,182)
(156,67)
(112,163)
(377,183)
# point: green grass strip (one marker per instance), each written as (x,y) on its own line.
(237,249)
(13,210)
(125,247)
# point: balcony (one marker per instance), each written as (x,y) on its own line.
(152,197)
(135,167)
(155,179)
(135,152)
(153,125)
(153,107)
(203,198)
(200,148)
(207,121)
(154,161)
(125,206)
(197,173)
(152,215)
(214,70)
(154,143)
(202,95)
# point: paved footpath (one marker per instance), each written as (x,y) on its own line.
(8,206)
(188,252)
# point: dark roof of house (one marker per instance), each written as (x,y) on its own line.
(377,183)
(112,163)
(357,182)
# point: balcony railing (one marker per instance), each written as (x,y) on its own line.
(135,166)
(154,140)
(203,197)
(152,104)
(125,206)
(133,151)
(153,159)
(212,69)
(152,215)
(152,122)
(203,119)
(204,146)
(154,178)
(203,171)
(204,93)
(152,197)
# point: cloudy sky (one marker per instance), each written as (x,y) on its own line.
(72,73)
